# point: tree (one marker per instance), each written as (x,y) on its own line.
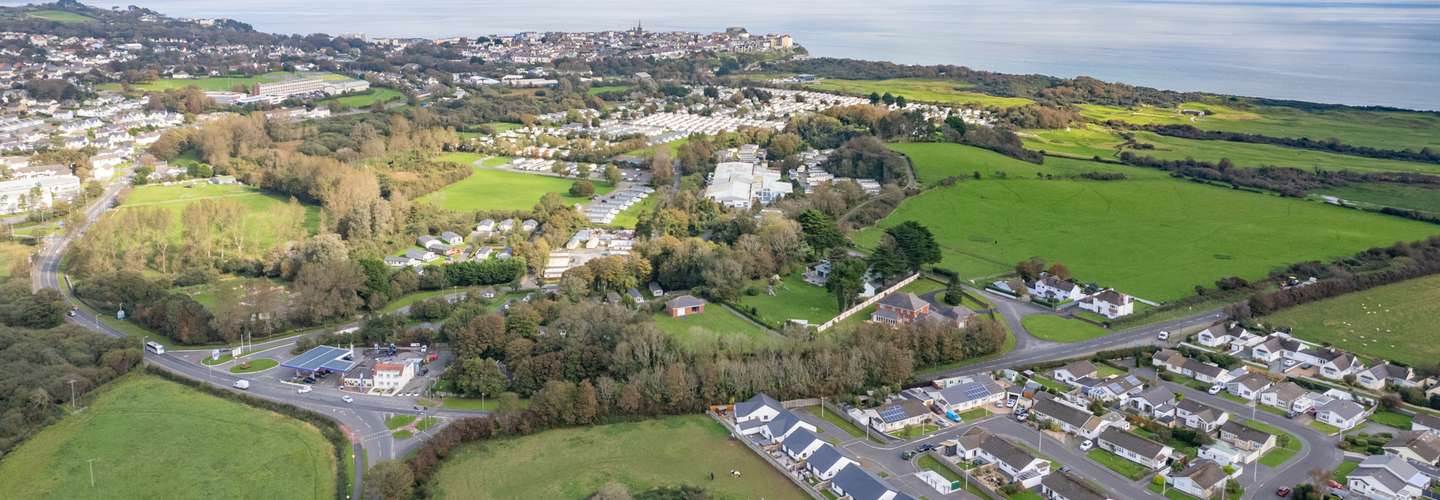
(1030,269)
(388,480)
(477,376)
(587,403)
(662,168)
(328,289)
(954,293)
(723,277)
(847,276)
(582,189)
(821,232)
(915,244)
(1059,271)
(612,174)
(874,98)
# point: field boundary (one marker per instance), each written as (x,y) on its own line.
(867,303)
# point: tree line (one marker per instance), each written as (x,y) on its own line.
(1286,181)
(1331,145)
(1362,271)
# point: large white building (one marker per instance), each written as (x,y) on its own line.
(40,192)
(739,184)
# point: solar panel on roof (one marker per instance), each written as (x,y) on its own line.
(892,413)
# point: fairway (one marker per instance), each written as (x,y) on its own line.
(269,219)
(1380,129)
(151,438)
(705,328)
(934,161)
(793,299)
(490,189)
(573,463)
(1155,238)
(1059,329)
(1393,322)
(919,90)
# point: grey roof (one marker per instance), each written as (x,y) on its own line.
(1047,406)
(799,440)
(1079,368)
(1287,391)
(756,402)
(1345,409)
(905,300)
(1253,381)
(1196,366)
(416,254)
(1205,473)
(824,457)
(1157,395)
(1427,420)
(1007,452)
(684,301)
(1202,410)
(322,358)
(1422,443)
(1389,470)
(1133,442)
(1389,371)
(861,485)
(1245,432)
(1072,488)
(901,410)
(449,235)
(782,422)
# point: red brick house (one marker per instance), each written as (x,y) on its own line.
(684,305)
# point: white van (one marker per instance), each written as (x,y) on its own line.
(242,384)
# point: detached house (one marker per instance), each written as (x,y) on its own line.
(1017,464)
(826,461)
(1220,334)
(1134,448)
(1055,289)
(1274,348)
(1248,386)
(1109,303)
(1202,479)
(1063,486)
(1200,416)
(450,238)
(1253,441)
(1152,401)
(1341,413)
(760,408)
(1425,422)
(766,417)
(857,484)
(429,242)
(1289,396)
(966,393)
(1382,374)
(1416,446)
(900,414)
(1387,477)
(1072,420)
(1074,370)
(1334,364)
(1173,361)
(900,308)
(801,444)
(1110,389)
(684,305)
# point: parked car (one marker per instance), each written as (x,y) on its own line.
(1086,445)
(1215,389)
(242,384)
(925,447)
(1164,335)
(1334,485)
(1282,492)
(1021,417)
(1289,363)
(346,398)
(1291,414)
(303,389)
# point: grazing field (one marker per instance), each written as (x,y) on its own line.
(219,83)
(1380,129)
(60,16)
(151,438)
(919,90)
(267,222)
(708,327)
(1155,238)
(1411,196)
(489,189)
(934,161)
(793,299)
(605,89)
(1060,329)
(573,463)
(1393,322)
(366,98)
(1094,140)
(12,254)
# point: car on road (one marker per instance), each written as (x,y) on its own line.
(1086,445)
(242,384)
(346,398)
(906,455)
(924,448)
(303,390)
(73,311)
(1282,492)
(1164,335)
(1215,389)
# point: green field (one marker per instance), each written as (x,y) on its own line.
(489,189)
(573,463)
(1414,197)
(12,254)
(934,161)
(366,98)
(151,438)
(919,90)
(466,158)
(1393,419)
(218,83)
(603,89)
(1095,140)
(60,16)
(1060,329)
(1391,322)
(708,327)
(1154,238)
(1381,129)
(793,299)
(266,221)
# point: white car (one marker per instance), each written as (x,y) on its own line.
(346,398)
(1164,335)
(242,384)
(303,390)
(1215,389)
(1290,363)
(1086,445)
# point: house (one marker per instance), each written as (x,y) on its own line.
(421,255)
(1416,446)
(1382,374)
(1289,396)
(1150,400)
(1134,448)
(400,261)
(801,444)
(635,296)
(1275,347)
(506,226)
(1054,289)
(971,392)
(1110,389)
(854,483)
(1341,413)
(1200,416)
(1109,303)
(1220,334)
(1173,361)
(899,414)
(485,226)
(1016,463)
(900,308)
(759,408)
(684,305)
(1248,386)
(529,225)
(826,461)
(1425,422)
(1335,364)
(776,429)
(429,242)
(1245,438)
(1074,370)
(1387,477)
(1063,486)
(1072,420)
(1202,479)
(450,238)
(391,377)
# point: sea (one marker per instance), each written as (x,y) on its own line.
(1357,52)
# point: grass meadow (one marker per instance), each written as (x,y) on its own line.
(793,299)
(707,328)
(1155,238)
(573,463)
(366,98)
(920,90)
(219,83)
(1411,196)
(12,254)
(1392,322)
(1380,129)
(489,189)
(267,220)
(1059,329)
(151,438)
(935,161)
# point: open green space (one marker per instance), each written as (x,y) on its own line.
(1118,464)
(210,361)
(490,189)
(219,83)
(60,16)
(471,159)
(403,434)
(573,463)
(267,220)
(426,423)
(606,89)
(1324,428)
(919,90)
(1384,194)
(793,299)
(934,161)
(1104,371)
(12,254)
(254,365)
(1153,238)
(710,326)
(975,414)
(1380,129)
(839,421)
(1393,322)
(1390,418)
(1170,492)
(1061,329)
(1050,383)
(1342,472)
(398,421)
(34,230)
(630,217)
(365,98)
(151,438)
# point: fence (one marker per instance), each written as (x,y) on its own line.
(867,303)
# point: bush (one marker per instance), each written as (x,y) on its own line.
(583,189)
